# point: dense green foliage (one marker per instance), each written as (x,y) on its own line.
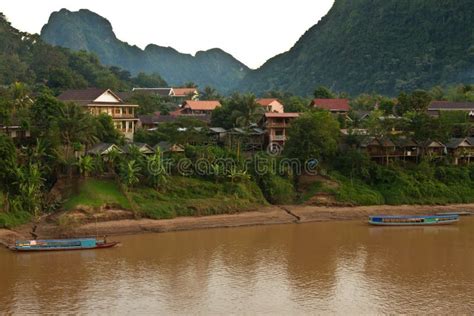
(395,185)
(313,135)
(383,46)
(85,30)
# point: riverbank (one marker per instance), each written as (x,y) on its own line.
(270,215)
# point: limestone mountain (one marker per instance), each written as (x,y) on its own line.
(86,30)
(377,45)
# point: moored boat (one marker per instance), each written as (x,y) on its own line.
(61,244)
(413,220)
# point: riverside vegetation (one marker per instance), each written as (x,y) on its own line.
(154,186)
(49,172)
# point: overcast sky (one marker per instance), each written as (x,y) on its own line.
(251,30)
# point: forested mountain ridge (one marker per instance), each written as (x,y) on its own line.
(86,30)
(26,58)
(383,46)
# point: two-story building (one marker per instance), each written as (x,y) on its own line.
(97,101)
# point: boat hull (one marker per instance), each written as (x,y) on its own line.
(413,220)
(45,245)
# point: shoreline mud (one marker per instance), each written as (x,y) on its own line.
(271,215)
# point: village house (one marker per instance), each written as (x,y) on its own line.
(271,105)
(461,150)
(191,107)
(436,107)
(432,148)
(385,149)
(276,126)
(248,139)
(335,106)
(15,131)
(103,149)
(98,101)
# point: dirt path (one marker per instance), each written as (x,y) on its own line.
(266,216)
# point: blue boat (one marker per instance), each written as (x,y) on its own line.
(383,220)
(61,244)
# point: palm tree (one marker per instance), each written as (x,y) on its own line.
(252,112)
(75,127)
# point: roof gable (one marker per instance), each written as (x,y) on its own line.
(90,95)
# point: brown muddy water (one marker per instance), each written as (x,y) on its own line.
(332,267)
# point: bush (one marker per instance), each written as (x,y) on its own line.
(277,190)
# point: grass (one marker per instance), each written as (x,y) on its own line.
(96,193)
(10,220)
(181,196)
(195,197)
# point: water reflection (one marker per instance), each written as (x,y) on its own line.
(339,267)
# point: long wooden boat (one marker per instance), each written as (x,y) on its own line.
(413,220)
(61,244)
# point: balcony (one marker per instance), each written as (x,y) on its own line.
(278,137)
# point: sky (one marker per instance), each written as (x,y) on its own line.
(251,30)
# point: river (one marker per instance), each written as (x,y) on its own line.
(330,267)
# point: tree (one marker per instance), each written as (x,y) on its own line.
(314,135)
(76,128)
(129,173)
(417,101)
(238,110)
(106,131)
(8,163)
(322,92)
(210,93)
(30,184)
(156,169)
(86,165)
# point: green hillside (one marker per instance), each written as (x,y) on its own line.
(27,58)
(85,30)
(374,45)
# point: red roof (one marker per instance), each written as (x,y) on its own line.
(335,105)
(282,115)
(183,92)
(266,102)
(201,105)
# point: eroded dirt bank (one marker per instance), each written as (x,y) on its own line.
(266,216)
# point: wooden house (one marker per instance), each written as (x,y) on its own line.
(461,150)
(432,148)
(246,139)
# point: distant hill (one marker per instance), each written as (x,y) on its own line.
(26,58)
(86,30)
(377,45)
